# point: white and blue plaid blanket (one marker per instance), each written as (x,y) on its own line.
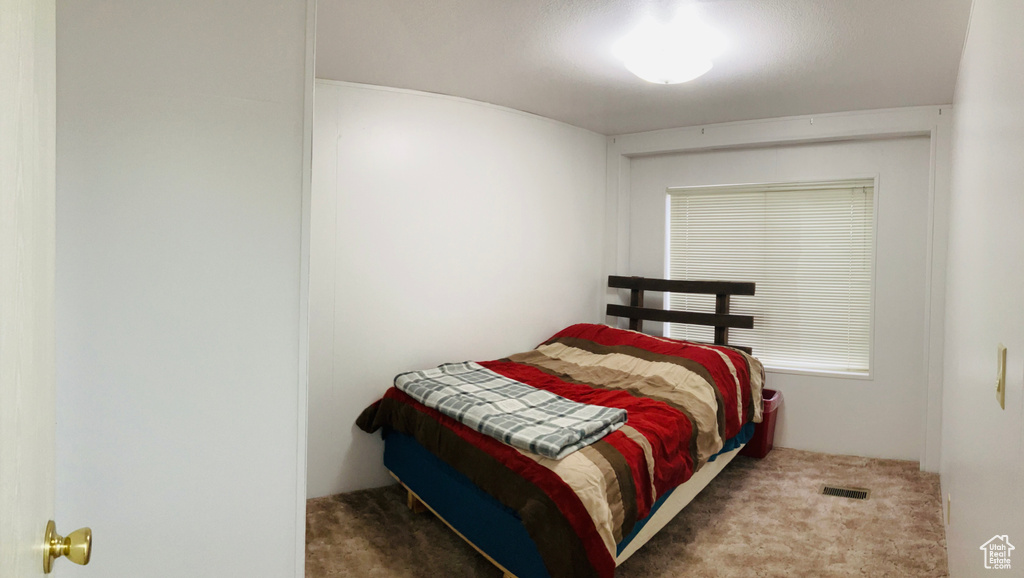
(517,414)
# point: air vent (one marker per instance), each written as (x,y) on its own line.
(852,493)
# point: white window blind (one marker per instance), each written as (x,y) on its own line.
(809,248)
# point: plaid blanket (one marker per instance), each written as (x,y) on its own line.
(512,412)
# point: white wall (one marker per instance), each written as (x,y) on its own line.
(878,417)
(443,230)
(983,445)
(179,212)
(895,413)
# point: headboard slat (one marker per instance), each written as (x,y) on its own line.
(670,316)
(676,286)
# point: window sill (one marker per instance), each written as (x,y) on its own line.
(821,373)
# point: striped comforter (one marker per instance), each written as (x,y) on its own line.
(683,400)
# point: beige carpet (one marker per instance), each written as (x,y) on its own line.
(758,518)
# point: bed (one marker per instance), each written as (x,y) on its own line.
(691,408)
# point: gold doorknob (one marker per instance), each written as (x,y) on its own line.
(76,547)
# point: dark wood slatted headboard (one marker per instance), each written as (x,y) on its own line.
(721,320)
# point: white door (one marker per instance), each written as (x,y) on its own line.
(180,183)
(27,116)
(180,411)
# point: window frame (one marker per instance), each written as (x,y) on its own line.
(876,194)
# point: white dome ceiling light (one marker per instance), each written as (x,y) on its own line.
(673,52)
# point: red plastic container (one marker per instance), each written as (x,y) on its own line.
(764,432)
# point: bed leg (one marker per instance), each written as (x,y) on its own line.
(414,503)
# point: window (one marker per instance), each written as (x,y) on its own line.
(810,249)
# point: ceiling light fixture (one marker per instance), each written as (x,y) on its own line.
(670,53)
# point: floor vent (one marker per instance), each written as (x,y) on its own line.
(852,493)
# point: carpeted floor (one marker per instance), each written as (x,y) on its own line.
(758,518)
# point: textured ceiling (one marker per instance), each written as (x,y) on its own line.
(552,58)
